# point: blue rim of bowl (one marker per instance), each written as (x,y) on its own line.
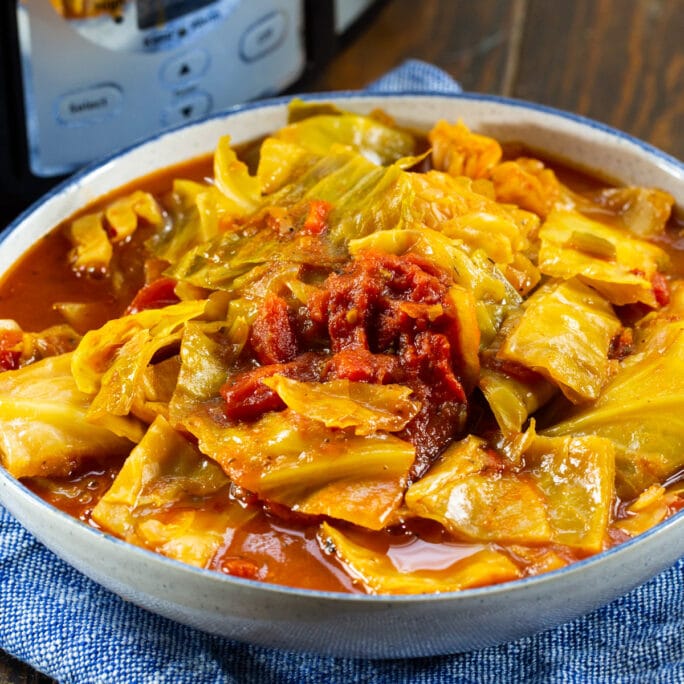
(215,576)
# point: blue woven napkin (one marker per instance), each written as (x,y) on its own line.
(70,628)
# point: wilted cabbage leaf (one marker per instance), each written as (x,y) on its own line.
(170,498)
(99,349)
(564,333)
(365,407)
(123,215)
(460,152)
(530,185)
(379,576)
(92,250)
(644,211)
(512,400)
(564,495)
(466,493)
(290,459)
(317,131)
(207,352)
(641,411)
(43,425)
(622,279)
(576,475)
(231,176)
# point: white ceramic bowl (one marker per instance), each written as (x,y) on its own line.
(331,623)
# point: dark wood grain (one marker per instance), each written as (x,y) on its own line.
(471,40)
(618,61)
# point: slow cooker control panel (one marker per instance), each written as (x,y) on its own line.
(100,74)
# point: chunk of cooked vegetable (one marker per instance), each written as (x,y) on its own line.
(44,428)
(640,411)
(625,278)
(564,333)
(170,498)
(379,576)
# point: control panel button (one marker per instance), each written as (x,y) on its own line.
(188,108)
(89,105)
(185,68)
(263,36)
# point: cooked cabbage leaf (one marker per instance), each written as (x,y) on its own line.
(98,349)
(460,152)
(512,400)
(564,495)
(123,215)
(170,498)
(576,475)
(290,459)
(207,352)
(231,176)
(43,426)
(564,333)
(624,279)
(316,131)
(378,575)
(642,411)
(365,407)
(92,250)
(472,503)
(644,211)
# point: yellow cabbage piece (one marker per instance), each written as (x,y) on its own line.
(43,426)
(565,333)
(564,495)
(576,475)
(652,506)
(293,460)
(171,499)
(530,185)
(624,279)
(198,212)
(92,250)
(475,504)
(232,178)
(99,349)
(440,198)
(316,131)
(644,211)
(641,411)
(460,152)
(123,215)
(367,408)
(207,352)
(513,400)
(156,390)
(378,575)
(280,162)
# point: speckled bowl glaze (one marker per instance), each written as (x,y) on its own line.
(331,623)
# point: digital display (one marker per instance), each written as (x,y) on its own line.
(157,12)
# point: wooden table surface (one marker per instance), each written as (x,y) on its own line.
(618,61)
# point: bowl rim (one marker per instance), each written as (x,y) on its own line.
(216,577)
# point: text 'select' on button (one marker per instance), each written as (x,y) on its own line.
(263,36)
(90,105)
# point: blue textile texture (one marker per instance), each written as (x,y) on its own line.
(70,628)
